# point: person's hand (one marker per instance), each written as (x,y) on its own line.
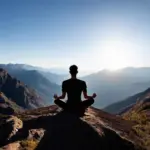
(55,96)
(94,95)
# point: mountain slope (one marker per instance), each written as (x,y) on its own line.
(140,114)
(34,79)
(113,86)
(125,104)
(18,92)
(40,81)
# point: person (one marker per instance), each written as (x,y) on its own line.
(74,88)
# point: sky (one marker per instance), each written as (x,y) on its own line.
(93,34)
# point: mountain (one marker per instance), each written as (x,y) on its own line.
(113,86)
(55,78)
(126,104)
(47,73)
(41,81)
(110,86)
(18,92)
(42,85)
(44,128)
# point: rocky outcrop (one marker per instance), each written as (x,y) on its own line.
(12,146)
(9,126)
(50,128)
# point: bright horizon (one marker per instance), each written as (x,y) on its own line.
(82,72)
(92,34)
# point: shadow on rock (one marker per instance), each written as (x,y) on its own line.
(6,111)
(69,132)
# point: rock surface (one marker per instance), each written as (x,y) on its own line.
(49,128)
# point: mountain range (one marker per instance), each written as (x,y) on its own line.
(110,86)
(114,86)
(35,79)
(47,73)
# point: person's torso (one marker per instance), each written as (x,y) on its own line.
(74,90)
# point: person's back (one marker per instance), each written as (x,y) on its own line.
(74,88)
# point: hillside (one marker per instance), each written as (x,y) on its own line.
(43,86)
(125,104)
(140,114)
(18,92)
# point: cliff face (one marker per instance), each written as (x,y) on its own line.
(49,128)
(18,92)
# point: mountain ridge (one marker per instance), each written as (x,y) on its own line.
(18,92)
(126,104)
(35,80)
(110,86)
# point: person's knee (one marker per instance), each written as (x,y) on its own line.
(92,101)
(87,103)
(56,101)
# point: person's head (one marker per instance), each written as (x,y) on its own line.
(73,70)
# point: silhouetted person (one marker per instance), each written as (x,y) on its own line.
(74,87)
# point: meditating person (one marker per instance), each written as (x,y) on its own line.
(74,88)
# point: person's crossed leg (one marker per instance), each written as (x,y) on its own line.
(77,108)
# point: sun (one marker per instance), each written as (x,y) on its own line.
(114,59)
(115,54)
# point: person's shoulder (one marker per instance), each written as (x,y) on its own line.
(66,81)
(81,81)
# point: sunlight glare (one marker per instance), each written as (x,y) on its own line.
(115,54)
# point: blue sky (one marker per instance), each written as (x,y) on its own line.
(93,34)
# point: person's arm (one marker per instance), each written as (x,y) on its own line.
(63,92)
(62,96)
(86,96)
